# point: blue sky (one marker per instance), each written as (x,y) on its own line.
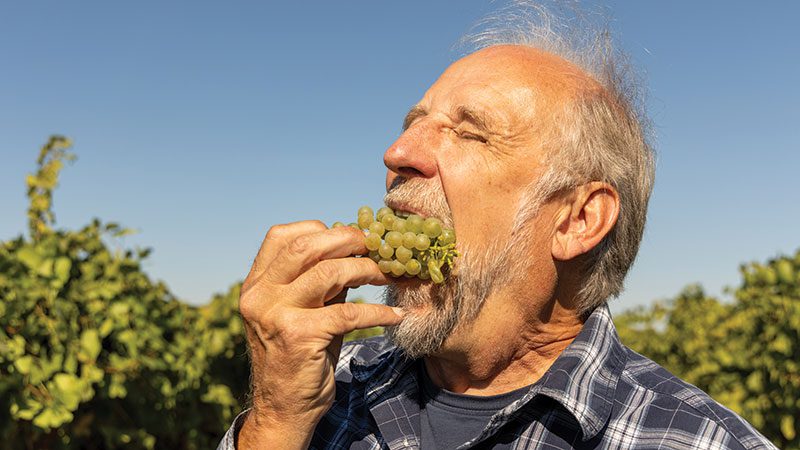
(201,124)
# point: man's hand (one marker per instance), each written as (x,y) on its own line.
(292,302)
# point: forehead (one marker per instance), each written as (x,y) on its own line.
(509,79)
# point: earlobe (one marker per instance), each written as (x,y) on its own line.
(592,215)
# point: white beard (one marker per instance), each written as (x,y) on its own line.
(434,311)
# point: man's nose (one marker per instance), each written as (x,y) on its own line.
(412,154)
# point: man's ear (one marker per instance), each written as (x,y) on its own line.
(587,217)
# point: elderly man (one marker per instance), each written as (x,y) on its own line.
(536,156)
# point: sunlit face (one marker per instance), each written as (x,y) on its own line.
(470,148)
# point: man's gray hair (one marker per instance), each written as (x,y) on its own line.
(600,136)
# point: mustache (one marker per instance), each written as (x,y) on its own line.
(397,182)
(424,197)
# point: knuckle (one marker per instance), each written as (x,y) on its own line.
(255,298)
(349,312)
(248,307)
(299,245)
(319,224)
(350,231)
(327,272)
(246,310)
(275,232)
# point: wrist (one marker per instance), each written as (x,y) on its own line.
(262,431)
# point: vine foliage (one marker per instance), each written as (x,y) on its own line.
(94,353)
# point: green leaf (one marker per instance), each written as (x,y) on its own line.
(68,389)
(52,418)
(90,345)
(755,382)
(785,271)
(218,393)
(106,327)
(30,257)
(787,427)
(24,364)
(62,268)
(27,410)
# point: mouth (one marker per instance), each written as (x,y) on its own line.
(403,211)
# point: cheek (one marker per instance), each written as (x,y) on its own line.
(483,199)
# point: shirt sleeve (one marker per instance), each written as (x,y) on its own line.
(228,441)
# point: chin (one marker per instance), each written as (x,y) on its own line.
(431,314)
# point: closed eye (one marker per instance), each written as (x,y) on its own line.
(471,136)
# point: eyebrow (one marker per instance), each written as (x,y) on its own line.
(463,113)
(415,113)
(478,118)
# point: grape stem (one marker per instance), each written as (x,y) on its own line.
(441,254)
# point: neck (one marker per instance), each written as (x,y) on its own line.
(505,348)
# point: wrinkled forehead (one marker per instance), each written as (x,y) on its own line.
(517,80)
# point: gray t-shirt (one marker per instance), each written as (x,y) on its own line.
(448,419)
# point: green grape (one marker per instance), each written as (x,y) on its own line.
(375,256)
(386,251)
(409,239)
(414,223)
(423,242)
(373,241)
(432,227)
(399,225)
(388,221)
(337,225)
(406,245)
(365,220)
(377,228)
(413,267)
(448,236)
(382,212)
(403,254)
(385,265)
(365,210)
(354,225)
(394,238)
(398,268)
(436,274)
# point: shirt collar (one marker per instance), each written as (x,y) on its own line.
(582,379)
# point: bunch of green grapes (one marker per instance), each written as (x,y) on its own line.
(410,246)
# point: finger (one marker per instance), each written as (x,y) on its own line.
(327,278)
(342,318)
(277,238)
(306,250)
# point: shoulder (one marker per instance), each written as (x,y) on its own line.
(655,402)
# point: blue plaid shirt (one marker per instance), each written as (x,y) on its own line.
(597,394)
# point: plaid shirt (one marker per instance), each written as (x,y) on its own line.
(597,394)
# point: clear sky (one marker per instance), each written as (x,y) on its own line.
(201,124)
